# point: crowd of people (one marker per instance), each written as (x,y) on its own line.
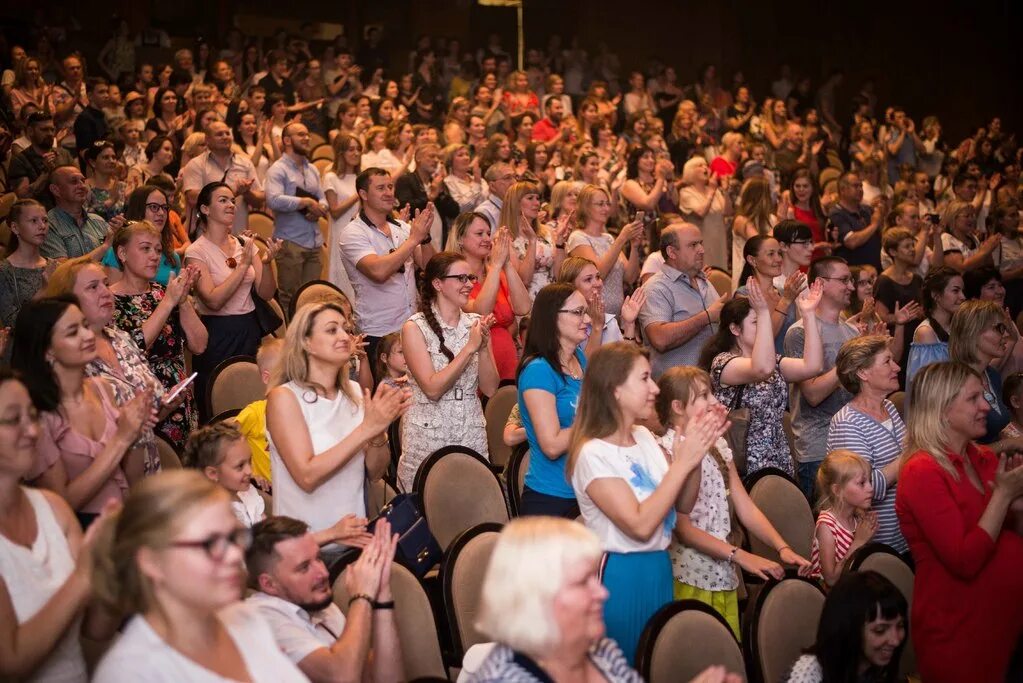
(686,286)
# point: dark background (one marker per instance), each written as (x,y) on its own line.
(959,60)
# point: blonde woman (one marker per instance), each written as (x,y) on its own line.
(959,241)
(343,204)
(591,240)
(537,251)
(377,154)
(706,206)
(325,433)
(958,507)
(174,559)
(753,216)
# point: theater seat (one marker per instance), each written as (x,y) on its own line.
(781,622)
(462,572)
(666,651)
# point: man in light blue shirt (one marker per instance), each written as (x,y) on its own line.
(500,177)
(293,193)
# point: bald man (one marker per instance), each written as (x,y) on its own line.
(682,308)
(74,231)
(221,163)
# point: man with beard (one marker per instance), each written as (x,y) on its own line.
(293,193)
(74,231)
(30,169)
(294,596)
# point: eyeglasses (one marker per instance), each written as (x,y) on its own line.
(844,280)
(464,278)
(577,312)
(157,208)
(402,269)
(215,546)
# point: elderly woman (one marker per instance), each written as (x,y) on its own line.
(870,426)
(175,561)
(464,181)
(962,247)
(542,602)
(704,205)
(959,508)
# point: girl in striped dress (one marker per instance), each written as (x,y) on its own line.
(845,522)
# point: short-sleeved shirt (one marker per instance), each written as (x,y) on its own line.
(216,262)
(810,423)
(252,421)
(297,632)
(380,308)
(547,476)
(868,253)
(69,239)
(673,296)
(642,466)
(205,169)
(30,164)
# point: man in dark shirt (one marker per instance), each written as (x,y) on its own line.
(859,227)
(30,169)
(426,184)
(277,80)
(91,124)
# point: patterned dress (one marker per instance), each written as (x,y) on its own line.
(166,357)
(766,445)
(457,418)
(543,274)
(97,200)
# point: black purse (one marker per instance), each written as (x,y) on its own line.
(266,317)
(418,551)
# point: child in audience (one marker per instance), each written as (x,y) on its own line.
(390,362)
(220,452)
(1012,397)
(252,418)
(705,553)
(845,522)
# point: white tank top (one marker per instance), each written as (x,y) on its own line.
(328,423)
(32,576)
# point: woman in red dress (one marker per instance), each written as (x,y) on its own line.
(960,509)
(498,289)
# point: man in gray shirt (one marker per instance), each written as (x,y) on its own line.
(681,307)
(815,401)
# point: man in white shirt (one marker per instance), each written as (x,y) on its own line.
(500,177)
(294,596)
(221,163)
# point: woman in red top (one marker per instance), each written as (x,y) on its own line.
(959,508)
(803,203)
(498,288)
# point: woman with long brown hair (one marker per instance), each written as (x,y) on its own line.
(753,216)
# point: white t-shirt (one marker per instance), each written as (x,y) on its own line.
(142,656)
(249,507)
(328,423)
(642,466)
(652,264)
(299,633)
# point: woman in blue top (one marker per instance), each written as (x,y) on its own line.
(943,294)
(149,203)
(549,379)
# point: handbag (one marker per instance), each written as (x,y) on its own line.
(266,317)
(418,551)
(737,432)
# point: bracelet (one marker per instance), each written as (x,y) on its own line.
(429,238)
(731,555)
(381,442)
(784,547)
(360,596)
(782,312)
(710,321)
(382,605)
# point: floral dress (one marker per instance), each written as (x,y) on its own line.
(543,274)
(133,375)
(166,357)
(766,445)
(97,202)
(457,418)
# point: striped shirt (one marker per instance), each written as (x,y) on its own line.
(879,444)
(843,539)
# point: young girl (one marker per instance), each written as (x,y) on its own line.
(703,557)
(23,273)
(845,522)
(220,452)
(861,303)
(390,362)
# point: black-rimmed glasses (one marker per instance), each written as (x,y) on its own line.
(578,312)
(157,208)
(215,546)
(464,278)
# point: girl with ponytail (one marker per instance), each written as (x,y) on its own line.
(449,361)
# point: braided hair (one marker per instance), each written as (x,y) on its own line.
(437,267)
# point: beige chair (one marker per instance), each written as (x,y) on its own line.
(261,224)
(462,574)
(417,630)
(378,493)
(882,559)
(314,291)
(324,151)
(785,506)
(498,409)
(899,400)
(721,280)
(315,140)
(322,165)
(458,490)
(666,654)
(169,459)
(827,175)
(235,383)
(6,202)
(515,477)
(781,623)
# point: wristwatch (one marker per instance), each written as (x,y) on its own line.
(429,238)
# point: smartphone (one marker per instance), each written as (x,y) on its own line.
(640,215)
(169,398)
(933,218)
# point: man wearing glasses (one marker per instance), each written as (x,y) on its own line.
(815,401)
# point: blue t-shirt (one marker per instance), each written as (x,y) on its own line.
(544,475)
(163,273)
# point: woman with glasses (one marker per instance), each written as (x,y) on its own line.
(161,321)
(175,559)
(497,292)
(149,203)
(450,361)
(45,563)
(231,273)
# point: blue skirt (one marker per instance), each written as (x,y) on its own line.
(639,584)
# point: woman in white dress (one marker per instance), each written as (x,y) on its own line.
(450,362)
(176,560)
(44,561)
(343,203)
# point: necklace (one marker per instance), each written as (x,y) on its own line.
(568,368)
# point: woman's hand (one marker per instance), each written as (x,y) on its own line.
(133,415)
(566,223)
(757,300)
(248,253)
(759,566)
(789,556)
(632,305)
(1009,476)
(384,407)
(500,251)
(904,314)
(479,333)
(810,298)
(700,434)
(595,309)
(794,284)
(351,530)
(630,232)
